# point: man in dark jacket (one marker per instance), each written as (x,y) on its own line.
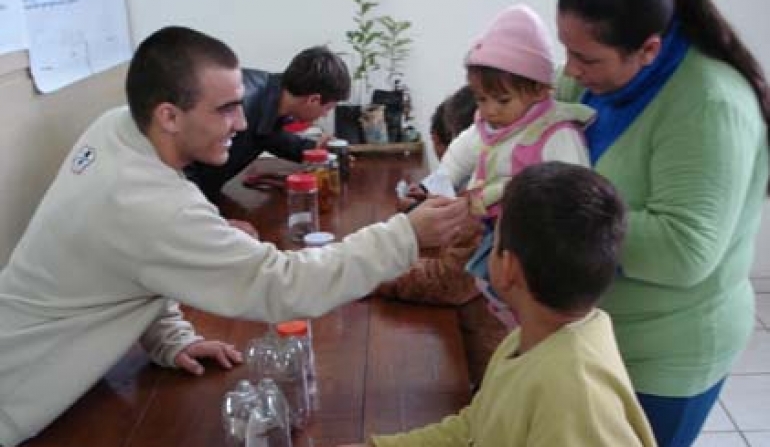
(312,84)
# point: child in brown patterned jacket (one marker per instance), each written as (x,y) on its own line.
(442,279)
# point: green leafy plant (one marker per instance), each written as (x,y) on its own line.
(394,45)
(364,39)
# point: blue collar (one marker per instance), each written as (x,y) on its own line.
(615,111)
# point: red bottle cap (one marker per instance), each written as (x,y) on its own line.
(296,328)
(315,155)
(301,182)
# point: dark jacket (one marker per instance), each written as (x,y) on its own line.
(264,133)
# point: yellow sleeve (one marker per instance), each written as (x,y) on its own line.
(453,431)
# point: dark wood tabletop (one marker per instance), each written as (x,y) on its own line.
(382,366)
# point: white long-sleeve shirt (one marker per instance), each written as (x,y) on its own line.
(117,238)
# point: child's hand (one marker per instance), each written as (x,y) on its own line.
(405,204)
(226,355)
(417,192)
(475,201)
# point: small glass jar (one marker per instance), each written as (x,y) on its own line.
(334,174)
(341,148)
(316,162)
(302,205)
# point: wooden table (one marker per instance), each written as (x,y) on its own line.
(382,366)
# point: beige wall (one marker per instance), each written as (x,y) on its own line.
(36,132)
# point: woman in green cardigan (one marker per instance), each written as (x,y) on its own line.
(681,131)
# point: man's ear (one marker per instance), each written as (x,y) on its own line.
(314,98)
(650,49)
(167,117)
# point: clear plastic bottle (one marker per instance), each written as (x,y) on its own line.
(236,407)
(316,162)
(269,421)
(282,359)
(302,330)
(302,205)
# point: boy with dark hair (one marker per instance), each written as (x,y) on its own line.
(315,80)
(557,380)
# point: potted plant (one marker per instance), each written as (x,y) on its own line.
(373,39)
(363,40)
(394,45)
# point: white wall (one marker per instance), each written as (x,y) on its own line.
(266,34)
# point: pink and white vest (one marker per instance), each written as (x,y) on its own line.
(548,131)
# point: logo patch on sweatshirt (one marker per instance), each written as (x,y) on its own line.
(84,157)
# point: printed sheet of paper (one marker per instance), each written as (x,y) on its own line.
(13,26)
(438,183)
(72,39)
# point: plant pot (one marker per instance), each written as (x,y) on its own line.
(373,123)
(347,123)
(393,100)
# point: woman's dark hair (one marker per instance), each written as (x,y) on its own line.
(166,66)
(317,70)
(627,24)
(565,224)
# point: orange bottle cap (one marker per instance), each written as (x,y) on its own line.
(296,328)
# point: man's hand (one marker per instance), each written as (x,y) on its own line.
(437,220)
(226,355)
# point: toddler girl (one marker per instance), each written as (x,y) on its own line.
(510,70)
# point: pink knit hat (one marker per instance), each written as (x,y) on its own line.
(517,42)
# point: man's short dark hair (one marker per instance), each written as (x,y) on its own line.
(165,68)
(317,70)
(565,223)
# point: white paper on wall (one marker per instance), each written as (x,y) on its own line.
(13,31)
(72,39)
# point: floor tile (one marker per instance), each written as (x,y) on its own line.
(718,420)
(763,308)
(758,438)
(724,439)
(747,400)
(755,359)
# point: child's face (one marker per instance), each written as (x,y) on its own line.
(501,109)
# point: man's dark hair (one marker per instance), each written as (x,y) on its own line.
(565,223)
(165,68)
(317,70)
